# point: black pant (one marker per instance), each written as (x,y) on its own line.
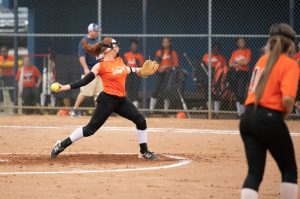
(133,83)
(107,104)
(261,130)
(30,96)
(7,81)
(160,86)
(238,84)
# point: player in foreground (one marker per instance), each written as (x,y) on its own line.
(271,96)
(113,72)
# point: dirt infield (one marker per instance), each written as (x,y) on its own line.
(217,169)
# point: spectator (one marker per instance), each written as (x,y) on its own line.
(219,71)
(133,59)
(297,55)
(297,58)
(239,64)
(87,62)
(29,78)
(168,60)
(7,73)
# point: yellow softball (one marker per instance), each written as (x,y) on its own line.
(54,87)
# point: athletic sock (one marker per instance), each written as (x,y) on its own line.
(76,135)
(142,139)
(166,104)
(288,190)
(153,102)
(135,103)
(247,193)
(242,108)
(238,108)
(67,142)
(216,106)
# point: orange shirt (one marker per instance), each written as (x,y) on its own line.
(297,59)
(30,75)
(7,71)
(216,60)
(133,59)
(113,75)
(283,81)
(239,55)
(167,60)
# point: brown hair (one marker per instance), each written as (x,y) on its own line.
(98,47)
(281,38)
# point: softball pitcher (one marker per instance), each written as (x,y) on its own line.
(271,96)
(113,72)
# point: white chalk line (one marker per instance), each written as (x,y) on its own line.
(126,129)
(181,162)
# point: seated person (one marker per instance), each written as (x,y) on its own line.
(219,72)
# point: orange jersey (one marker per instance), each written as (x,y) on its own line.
(113,75)
(297,59)
(216,60)
(283,81)
(166,59)
(241,54)
(30,74)
(133,59)
(7,71)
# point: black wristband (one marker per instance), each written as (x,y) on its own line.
(84,81)
(130,69)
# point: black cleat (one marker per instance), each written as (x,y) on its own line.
(57,149)
(149,156)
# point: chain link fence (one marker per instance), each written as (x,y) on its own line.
(188,32)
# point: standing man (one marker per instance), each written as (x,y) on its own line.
(87,62)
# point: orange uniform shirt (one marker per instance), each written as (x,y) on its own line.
(30,75)
(133,59)
(7,71)
(167,60)
(283,81)
(297,59)
(239,55)
(113,75)
(216,60)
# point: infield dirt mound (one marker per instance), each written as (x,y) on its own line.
(42,162)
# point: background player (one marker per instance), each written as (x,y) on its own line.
(271,96)
(113,73)
(87,62)
(239,63)
(168,59)
(133,59)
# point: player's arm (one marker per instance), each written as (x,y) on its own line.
(82,82)
(131,70)
(288,87)
(84,65)
(148,68)
(39,77)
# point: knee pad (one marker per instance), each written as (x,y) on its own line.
(141,123)
(88,130)
(290,176)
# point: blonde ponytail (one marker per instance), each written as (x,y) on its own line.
(280,42)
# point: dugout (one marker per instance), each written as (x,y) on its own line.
(51,20)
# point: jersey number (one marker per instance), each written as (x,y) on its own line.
(254,79)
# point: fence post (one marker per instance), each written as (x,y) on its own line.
(209,57)
(16,56)
(99,18)
(144,51)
